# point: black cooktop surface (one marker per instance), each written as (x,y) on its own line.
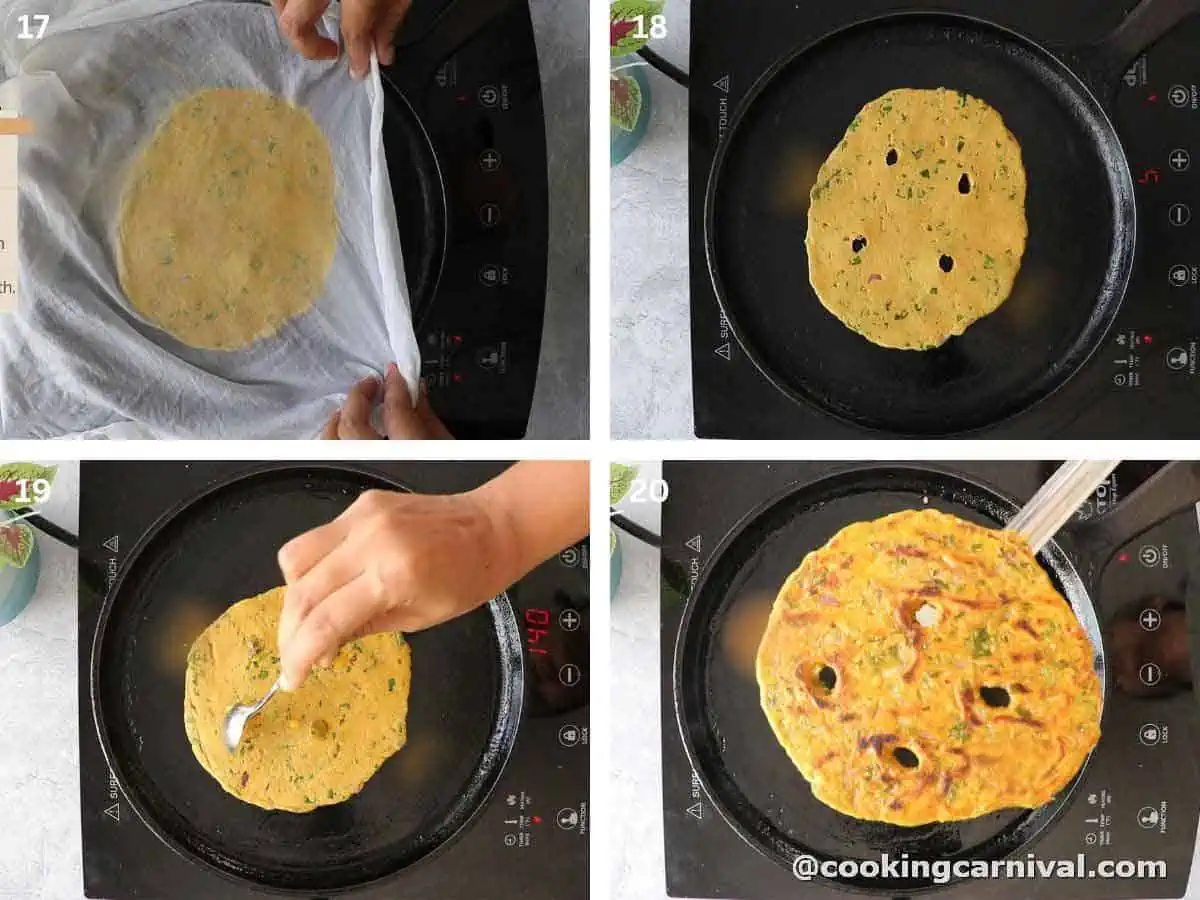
(465,137)
(1140,381)
(529,838)
(1137,798)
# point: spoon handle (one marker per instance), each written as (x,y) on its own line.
(265,700)
(1058,499)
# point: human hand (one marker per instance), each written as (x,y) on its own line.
(401,420)
(365,24)
(391,562)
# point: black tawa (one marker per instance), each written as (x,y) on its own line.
(165,549)
(769,102)
(733,797)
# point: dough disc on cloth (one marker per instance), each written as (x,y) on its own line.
(919,668)
(227,224)
(313,747)
(916,222)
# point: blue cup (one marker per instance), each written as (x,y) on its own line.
(17,586)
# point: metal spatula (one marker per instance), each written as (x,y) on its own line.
(1058,499)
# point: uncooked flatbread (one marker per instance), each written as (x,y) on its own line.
(316,746)
(923,181)
(920,668)
(227,225)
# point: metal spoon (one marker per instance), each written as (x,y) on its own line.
(1059,499)
(235,721)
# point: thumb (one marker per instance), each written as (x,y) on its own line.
(401,420)
(386,28)
(317,639)
(357,20)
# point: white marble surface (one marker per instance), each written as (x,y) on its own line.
(651,381)
(638,870)
(638,867)
(560,400)
(40,855)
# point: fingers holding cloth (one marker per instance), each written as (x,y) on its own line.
(366,26)
(400,418)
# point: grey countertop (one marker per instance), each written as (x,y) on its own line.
(650,358)
(40,854)
(638,868)
(560,401)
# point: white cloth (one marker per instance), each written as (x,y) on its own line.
(76,359)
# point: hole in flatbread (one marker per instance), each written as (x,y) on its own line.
(964,184)
(994,696)
(946,263)
(906,757)
(827,677)
(892,157)
(858,244)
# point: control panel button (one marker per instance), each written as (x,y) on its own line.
(1151,817)
(490,160)
(1152,734)
(489,96)
(1177,358)
(492,275)
(1179,96)
(1179,214)
(1179,160)
(1179,275)
(569,620)
(569,735)
(568,819)
(1150,674)
(489,215)
(1150,619)
(487,358)
(570,675)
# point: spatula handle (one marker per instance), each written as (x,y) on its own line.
(1058,499)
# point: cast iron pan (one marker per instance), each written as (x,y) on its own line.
(467,690)
(420,197)
(729,743)
(1079,205)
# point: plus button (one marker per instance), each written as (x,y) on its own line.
(1180,160)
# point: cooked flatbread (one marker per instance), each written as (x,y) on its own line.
(313,747)
(916,222)
(919,668)
(227,224)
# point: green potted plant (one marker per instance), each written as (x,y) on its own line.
(630,26)
(22,485)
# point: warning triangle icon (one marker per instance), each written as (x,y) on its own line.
(113,543)
(724,351)
(696,810)
(722,84)
(114,812)
(694,544)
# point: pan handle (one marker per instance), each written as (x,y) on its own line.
(1104,61)
(1171,490)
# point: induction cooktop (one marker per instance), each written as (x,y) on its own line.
(1137,796)
(530,837)
(466,146)
(1142,378)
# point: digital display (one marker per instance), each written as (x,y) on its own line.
(537,625)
